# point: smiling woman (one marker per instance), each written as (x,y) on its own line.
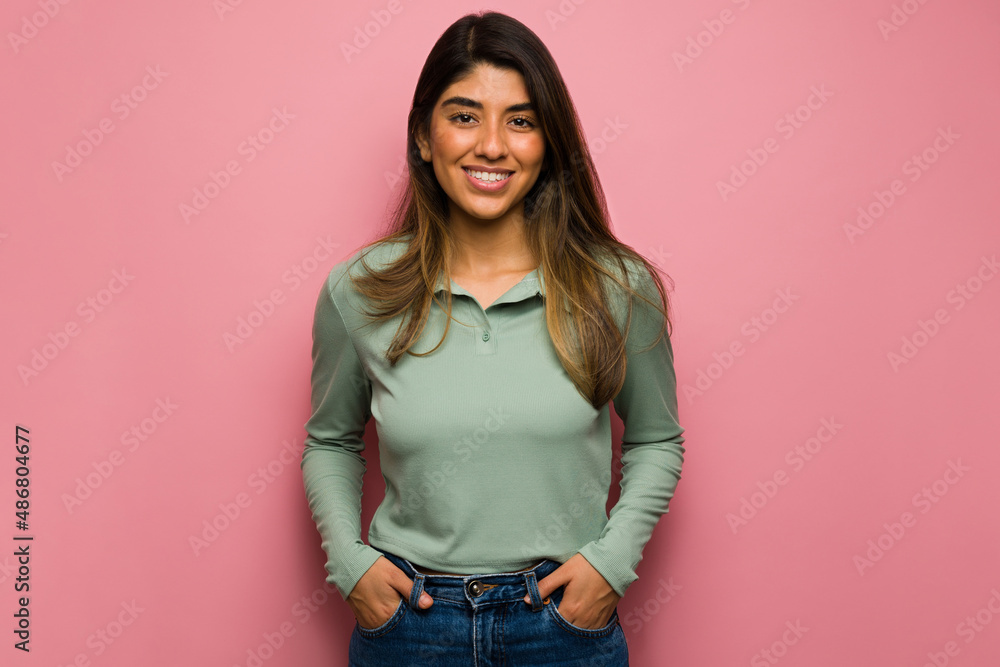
(493,538)
(486,150)
(486,147)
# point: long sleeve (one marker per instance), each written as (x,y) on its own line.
(652,451)
(332,463)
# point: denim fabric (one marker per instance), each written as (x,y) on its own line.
(481,620)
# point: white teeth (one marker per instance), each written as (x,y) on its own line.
(488,176)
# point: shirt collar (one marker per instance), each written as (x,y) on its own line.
(529,286)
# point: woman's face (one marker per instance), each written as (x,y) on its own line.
(485,122)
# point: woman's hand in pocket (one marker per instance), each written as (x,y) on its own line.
(588,600)
(377,594)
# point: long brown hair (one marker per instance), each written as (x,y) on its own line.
(565,215)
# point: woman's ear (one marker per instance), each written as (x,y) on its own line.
(423,145)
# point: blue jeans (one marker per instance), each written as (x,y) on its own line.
(481,620)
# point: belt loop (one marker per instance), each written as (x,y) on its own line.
(413,570)
(536,596)
(418,588)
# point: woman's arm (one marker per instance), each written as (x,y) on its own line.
(332,461)
(652,445)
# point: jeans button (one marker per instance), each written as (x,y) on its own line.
(475,588)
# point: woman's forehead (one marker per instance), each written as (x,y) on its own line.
(488,83)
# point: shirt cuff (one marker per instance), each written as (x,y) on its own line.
(346,570)
(616,569)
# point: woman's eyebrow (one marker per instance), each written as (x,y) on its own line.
(467,102)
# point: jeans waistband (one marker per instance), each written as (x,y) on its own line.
(488,588)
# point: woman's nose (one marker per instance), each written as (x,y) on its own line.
(491,141)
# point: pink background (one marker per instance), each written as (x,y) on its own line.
(665,133)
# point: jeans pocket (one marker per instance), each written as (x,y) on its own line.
(393,621)
(604,631)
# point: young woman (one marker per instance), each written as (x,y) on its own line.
(487,333)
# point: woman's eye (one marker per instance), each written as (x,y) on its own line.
(465,119)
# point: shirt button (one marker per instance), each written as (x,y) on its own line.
(486,335)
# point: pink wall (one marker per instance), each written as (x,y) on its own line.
(838,373)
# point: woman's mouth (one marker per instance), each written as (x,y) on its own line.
(487,181)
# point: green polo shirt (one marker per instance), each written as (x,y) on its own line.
(492,459)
